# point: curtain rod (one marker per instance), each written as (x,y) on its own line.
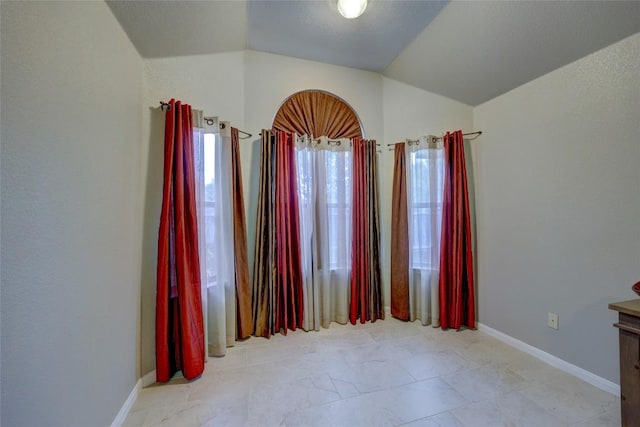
(330,141)
(210,121)
(317,140)
(437,138)
(334,142)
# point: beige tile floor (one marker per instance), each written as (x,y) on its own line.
(386,373)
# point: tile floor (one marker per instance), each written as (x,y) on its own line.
(386,373)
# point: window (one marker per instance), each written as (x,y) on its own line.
(324,198)
(426,176)
(338,167)
(323,172)
(210,214)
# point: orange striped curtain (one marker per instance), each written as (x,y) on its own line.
(244,323)
(366,285)
(277,299)
(263,286)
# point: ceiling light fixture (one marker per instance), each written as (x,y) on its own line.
(351,8)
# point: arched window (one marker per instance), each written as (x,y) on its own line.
(323,173)
(318,113)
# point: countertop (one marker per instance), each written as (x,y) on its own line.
(631,307)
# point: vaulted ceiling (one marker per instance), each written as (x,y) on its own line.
(471,51)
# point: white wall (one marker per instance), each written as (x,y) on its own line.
(557,181)
(410,112)
(71,93)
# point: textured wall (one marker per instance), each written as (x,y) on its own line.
(558,199)
(71,93)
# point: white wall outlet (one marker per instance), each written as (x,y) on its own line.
(552,320)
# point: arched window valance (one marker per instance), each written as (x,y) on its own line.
(317,113)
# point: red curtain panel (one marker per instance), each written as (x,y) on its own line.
(366,288)
(179,321)
(457,303)
(290,307)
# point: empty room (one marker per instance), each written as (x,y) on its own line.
(320,213)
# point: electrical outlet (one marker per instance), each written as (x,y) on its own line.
(552,320)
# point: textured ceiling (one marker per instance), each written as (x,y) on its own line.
(475,51)
(315,30)
(468,51)
(180,28)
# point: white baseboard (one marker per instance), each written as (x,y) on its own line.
(145,381)
(149,379)
(556,362)
(124,411)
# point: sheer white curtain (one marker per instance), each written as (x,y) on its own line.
(425,176)
(324,195)
(307,189)
(215,227)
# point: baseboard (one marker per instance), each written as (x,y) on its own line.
(556,362)
(149,379)
(145,381)
(124,411)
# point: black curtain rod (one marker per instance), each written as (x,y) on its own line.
(209,120)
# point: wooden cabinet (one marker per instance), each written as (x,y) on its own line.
(629,335)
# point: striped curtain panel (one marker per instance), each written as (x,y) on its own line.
(366,286)
(277,295)
(264,266)
(244,323)
(289,298)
